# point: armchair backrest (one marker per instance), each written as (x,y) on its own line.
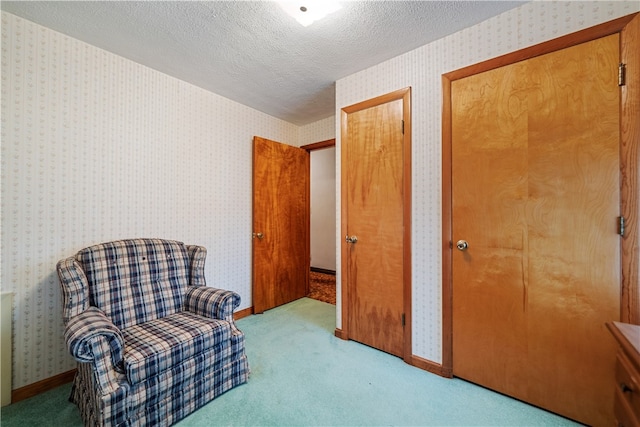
(136,280)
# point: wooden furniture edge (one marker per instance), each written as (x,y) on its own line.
(38,387)
(624,343)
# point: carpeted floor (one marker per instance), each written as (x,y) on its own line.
(322,287)
(302,375)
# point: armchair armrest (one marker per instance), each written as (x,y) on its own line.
(212,302)
(84,333)
(75,288)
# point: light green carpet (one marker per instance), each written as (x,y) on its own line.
(302,375)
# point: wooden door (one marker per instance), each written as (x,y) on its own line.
(536,195)
(280,224)
(375,189)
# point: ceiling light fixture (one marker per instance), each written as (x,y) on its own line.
(306,12)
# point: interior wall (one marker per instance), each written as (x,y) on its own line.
(95,148)
(323,208)
(320,130)
(421,69)
(323,196)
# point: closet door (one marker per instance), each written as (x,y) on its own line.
(376,190)
(535,197)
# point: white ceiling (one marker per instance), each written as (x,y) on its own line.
(251,51)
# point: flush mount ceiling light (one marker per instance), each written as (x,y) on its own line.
(306,12)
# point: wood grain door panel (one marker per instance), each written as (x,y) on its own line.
(375,216)
(574,200)
(281,215)
(536,192)
(489,177)
(376,209)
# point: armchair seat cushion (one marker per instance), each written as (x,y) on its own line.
(160,344)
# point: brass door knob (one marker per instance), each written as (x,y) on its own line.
(462,245)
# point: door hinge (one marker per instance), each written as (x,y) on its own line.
(622,74)
(403,319)
(622,224)
(403,127)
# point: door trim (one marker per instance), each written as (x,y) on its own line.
(629,29)
(405,96)
(319,145)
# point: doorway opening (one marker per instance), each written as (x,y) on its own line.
(322,275)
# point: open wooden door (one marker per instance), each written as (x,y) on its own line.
(280,224)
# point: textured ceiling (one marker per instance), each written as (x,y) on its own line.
(251,51)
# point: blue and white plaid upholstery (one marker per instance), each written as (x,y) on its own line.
(76,288)
(153,342)
(85,328)
(150,277)
(197,256)
(159,344)
(211,302)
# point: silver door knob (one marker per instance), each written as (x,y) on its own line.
(352,239)
(462,245)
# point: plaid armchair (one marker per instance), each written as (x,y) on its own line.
(153,342)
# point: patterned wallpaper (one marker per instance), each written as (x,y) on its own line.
(421,69)
(96,148)
(323,208)
(317,131)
